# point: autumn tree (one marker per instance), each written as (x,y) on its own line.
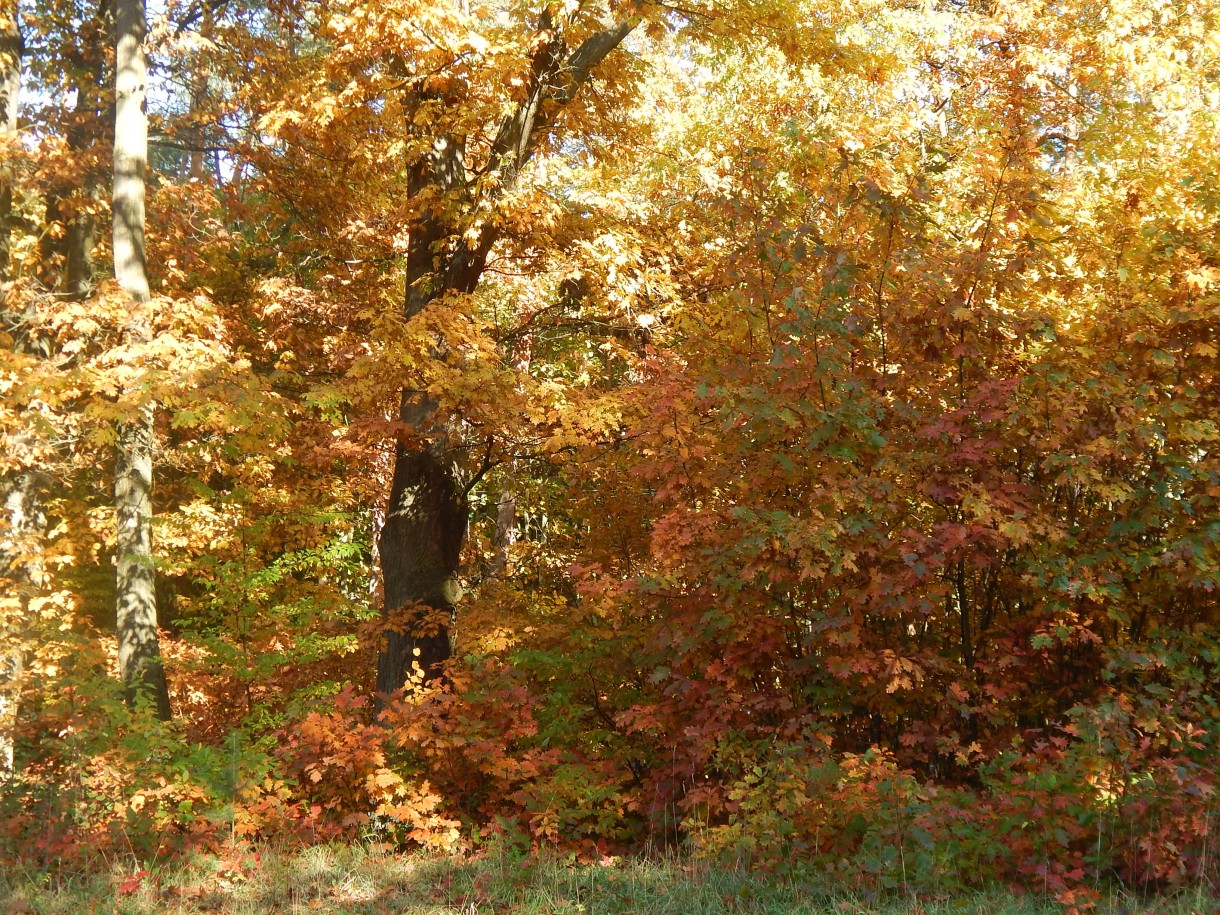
(421,542)
(456,147)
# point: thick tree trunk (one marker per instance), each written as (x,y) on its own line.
(136,602)
(426,517)
(139,647)
(420,546)
(130,150)
(427,514)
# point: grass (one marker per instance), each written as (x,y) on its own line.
(360,880)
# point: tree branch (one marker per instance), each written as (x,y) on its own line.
(592,51)
(553,78)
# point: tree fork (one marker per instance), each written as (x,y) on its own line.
(427,513)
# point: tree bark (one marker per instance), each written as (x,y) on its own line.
(420,546)
(506,532)
(67,257)
(196,135)
(17,488)
(12,48)
(22,574)
(427,514)
(426,517)
(136,602)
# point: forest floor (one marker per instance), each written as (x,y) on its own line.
(358,880)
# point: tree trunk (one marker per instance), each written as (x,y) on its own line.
(81,237)
(80,233)
(16,488)
(427,514)
(426,517)
(136,602)
(506,533)
(11,49)
(420,546)
(67,257)
(22,575)
(196,135)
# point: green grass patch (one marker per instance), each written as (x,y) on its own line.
(366,880)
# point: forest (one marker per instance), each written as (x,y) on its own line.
(779,432)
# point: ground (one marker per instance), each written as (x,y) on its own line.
(367,880)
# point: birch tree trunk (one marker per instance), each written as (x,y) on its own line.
(22,576)
(136,603)
(16,486)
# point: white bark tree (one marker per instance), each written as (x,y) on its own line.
(139,646)
(22,515)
